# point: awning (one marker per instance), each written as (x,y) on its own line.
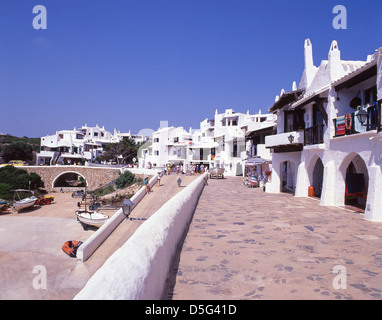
(255,161)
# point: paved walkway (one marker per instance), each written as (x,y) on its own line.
(246,244)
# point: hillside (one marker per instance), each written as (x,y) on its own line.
(16,148)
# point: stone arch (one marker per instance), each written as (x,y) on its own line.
(353,163)
(66,172)
(316,174)
(288,176)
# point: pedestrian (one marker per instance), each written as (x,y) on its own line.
(158,179)
(146,184)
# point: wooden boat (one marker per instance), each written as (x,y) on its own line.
(91,218)
(22,203)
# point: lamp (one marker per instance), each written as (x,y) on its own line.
(362,116)
(291,138)
(126,207)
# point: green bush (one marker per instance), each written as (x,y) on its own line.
(124,180)
(14,178)
(5,191)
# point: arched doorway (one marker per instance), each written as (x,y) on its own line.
(287,177)
(318,177)
(69,180)
(356,182)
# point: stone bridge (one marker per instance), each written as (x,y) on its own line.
(95,177)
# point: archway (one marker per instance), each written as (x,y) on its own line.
(318,177)
(287,176)
(69,179)
(356,180)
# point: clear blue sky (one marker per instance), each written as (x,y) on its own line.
(128,64)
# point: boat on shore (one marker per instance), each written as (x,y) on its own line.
(91,218)
(20,203)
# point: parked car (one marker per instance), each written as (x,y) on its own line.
(14,163)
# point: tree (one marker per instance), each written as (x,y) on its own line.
(17,151)
(15,178)
(121,152)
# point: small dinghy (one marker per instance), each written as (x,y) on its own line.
(91,218)
(70,247)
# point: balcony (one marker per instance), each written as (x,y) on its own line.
(285,142)
(314,135)
(349,123)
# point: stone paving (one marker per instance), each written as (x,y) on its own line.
(244,243)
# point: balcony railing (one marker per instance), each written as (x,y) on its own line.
(314,135)
(349,123)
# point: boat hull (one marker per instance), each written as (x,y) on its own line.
(91,218)
(25,203)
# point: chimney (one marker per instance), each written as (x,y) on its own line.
(309,66)
(334,62)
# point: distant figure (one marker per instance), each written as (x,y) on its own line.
(146,184)
(158,179)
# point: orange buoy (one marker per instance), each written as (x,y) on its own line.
(311,191)
(70,247)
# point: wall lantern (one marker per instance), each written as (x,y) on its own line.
(126,207)
(362,117)
(291,138)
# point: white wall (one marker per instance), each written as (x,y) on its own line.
(139,269)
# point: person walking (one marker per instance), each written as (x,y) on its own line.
(158,178)
(146,184)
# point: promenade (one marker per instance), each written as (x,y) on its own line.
(244,243)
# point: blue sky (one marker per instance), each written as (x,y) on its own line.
(128,64)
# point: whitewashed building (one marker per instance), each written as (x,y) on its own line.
(220,142)
(321,146)
(169,144)
(75,146)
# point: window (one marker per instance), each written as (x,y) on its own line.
(156,140)
(156,152)
(234,151)
(176,139)
(371,95)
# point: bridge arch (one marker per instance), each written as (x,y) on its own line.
(69,172)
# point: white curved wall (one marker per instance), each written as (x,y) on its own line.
(139,269)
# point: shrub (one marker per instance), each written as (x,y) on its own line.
(15,178)
(124,180)
(5,191)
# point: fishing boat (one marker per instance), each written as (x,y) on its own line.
(20,203)
(91,218)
